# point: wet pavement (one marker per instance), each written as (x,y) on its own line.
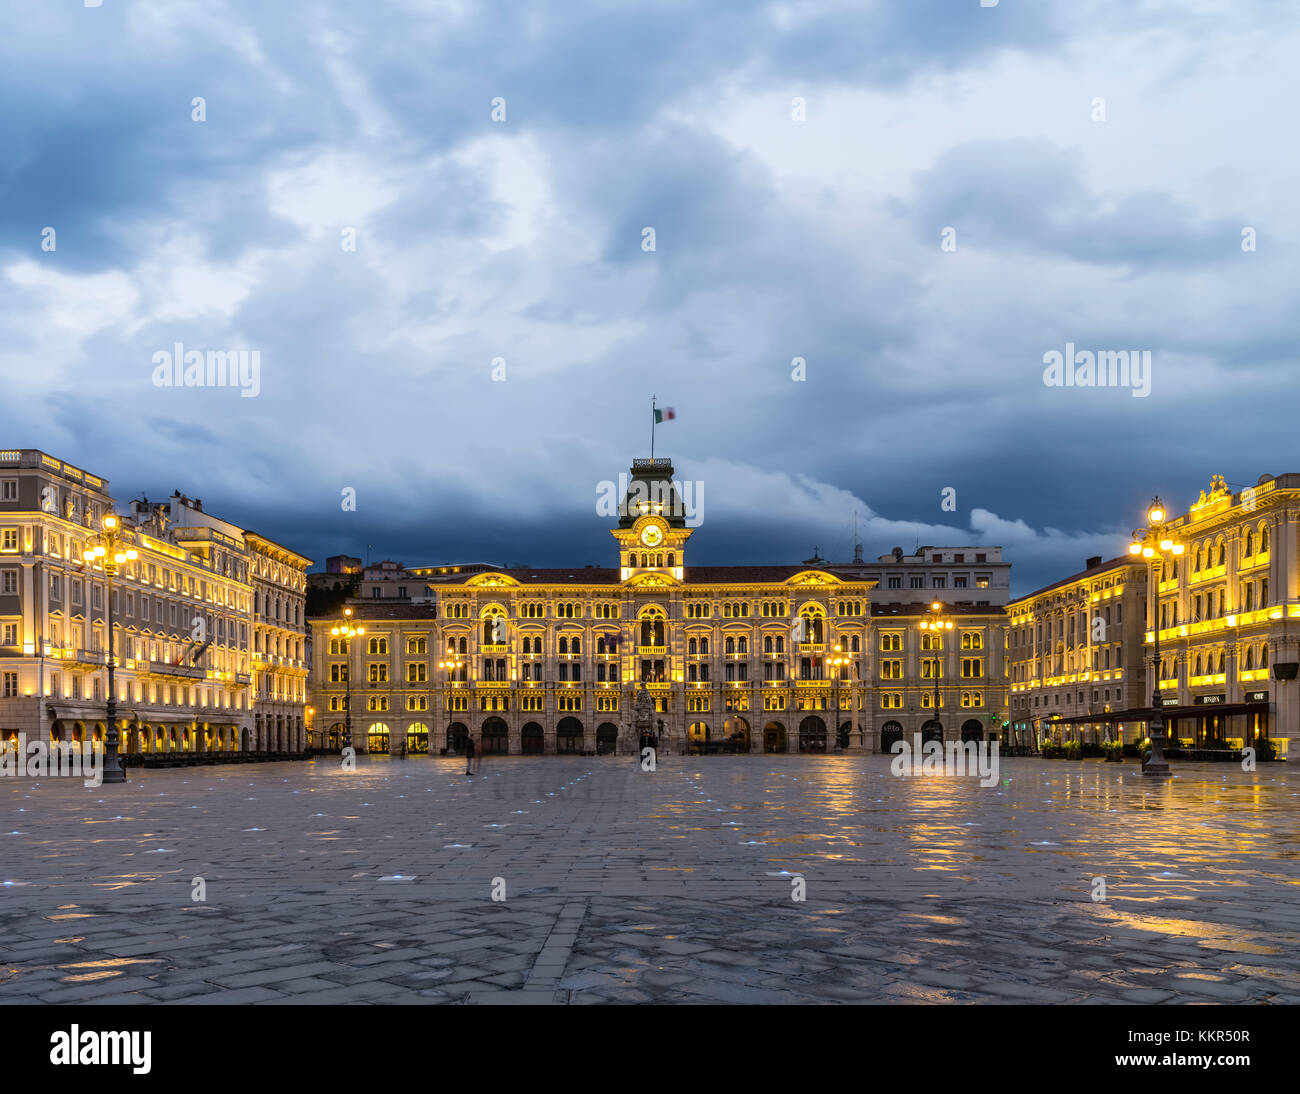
(377,885)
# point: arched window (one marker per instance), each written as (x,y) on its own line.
(1250,543)
(564,645)
(728,645)
(1223,554)
(1263,657)
(1263,538)
(704,645)
(692,647)
(1250,657)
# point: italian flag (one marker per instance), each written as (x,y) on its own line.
(665,415)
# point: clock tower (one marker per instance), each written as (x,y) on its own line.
(652,531)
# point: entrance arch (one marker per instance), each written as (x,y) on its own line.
(774,737)
(496,737)
(457,735)
(606,738)
(417,738)
(377,737)
(568,736)
(532,742)
(890,734)
(932,731)
(843,738)
(812,734)
(972,730)
(697,734)
(736,731)
(338,736)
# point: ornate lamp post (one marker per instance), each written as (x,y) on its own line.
(452,663)
(106,549)
(1155,544)
(346,631)
(837,663)
(936,626)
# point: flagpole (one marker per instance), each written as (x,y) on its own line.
(652,427)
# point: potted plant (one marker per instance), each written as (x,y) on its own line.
(1073,750)
(1113,751)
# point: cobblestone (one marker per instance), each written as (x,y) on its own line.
(675,886)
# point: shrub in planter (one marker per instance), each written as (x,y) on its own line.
(1264,749)
(1113,751)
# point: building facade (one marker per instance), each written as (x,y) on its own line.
(966,586)
(524,660)
(183,614)
(1228,614)
(1075,656)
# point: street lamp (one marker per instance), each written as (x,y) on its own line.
(452,663)
(106,549)
(837,663)
(936,626)
(1155,544)
(346,631)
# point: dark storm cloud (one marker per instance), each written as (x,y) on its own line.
(522,242)
(1033,196)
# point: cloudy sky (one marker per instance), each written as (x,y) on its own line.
(799,163)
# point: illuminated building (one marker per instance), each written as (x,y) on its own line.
(533,660)
(209,621)
(1074,656)
(1228,612)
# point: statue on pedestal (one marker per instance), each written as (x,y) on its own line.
(643,721)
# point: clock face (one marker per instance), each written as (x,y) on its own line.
(652,535)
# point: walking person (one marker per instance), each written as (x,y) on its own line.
(469,755)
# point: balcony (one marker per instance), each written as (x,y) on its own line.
(162,668)
(652,651)
(494,647)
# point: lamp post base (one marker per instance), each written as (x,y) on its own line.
(114,772)
(1156,769)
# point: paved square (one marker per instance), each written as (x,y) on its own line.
(377,885)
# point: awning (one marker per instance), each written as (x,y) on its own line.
(1111,717)
(1145,714)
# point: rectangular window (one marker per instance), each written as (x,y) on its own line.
(10,634)
(8,489)
(9,539)
(10,685)
(8,581)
